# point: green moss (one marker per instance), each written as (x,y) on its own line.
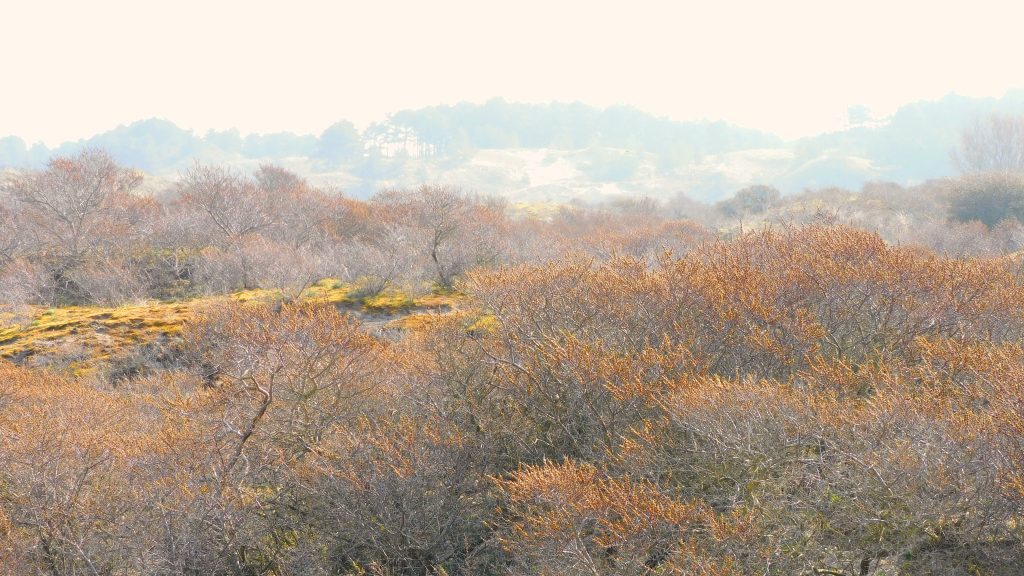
(389,301)
(330,290)
(109,332)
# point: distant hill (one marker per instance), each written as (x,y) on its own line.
(915,143)
(558,151)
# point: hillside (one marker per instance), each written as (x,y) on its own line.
(79,340)
(559,152)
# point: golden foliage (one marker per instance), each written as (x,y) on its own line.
(790,401)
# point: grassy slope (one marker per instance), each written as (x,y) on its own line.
(78,338)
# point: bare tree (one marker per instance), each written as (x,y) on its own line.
(69,200)
(992,144)
(456,231)
(233,205)
(11,237)
(374,265)
(22,283)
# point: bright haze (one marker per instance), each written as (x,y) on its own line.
(73,69)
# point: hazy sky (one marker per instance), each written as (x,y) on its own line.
(72,69)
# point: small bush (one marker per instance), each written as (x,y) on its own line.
(989,198)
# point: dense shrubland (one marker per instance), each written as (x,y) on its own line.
(618,392)
(75,233)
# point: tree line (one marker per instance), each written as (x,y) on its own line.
(78,231)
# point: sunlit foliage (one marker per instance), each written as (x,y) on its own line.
(597,393)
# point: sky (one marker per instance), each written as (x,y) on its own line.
(74,69)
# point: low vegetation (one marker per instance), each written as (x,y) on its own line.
(79,339)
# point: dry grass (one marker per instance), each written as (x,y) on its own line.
(77,339)
(80,337)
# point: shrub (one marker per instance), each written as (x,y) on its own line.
(989,198)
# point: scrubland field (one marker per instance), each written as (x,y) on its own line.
(244,374)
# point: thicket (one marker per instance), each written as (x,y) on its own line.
(801,399)
(990,198)
(77,233)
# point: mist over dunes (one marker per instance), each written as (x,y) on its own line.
(560,151)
